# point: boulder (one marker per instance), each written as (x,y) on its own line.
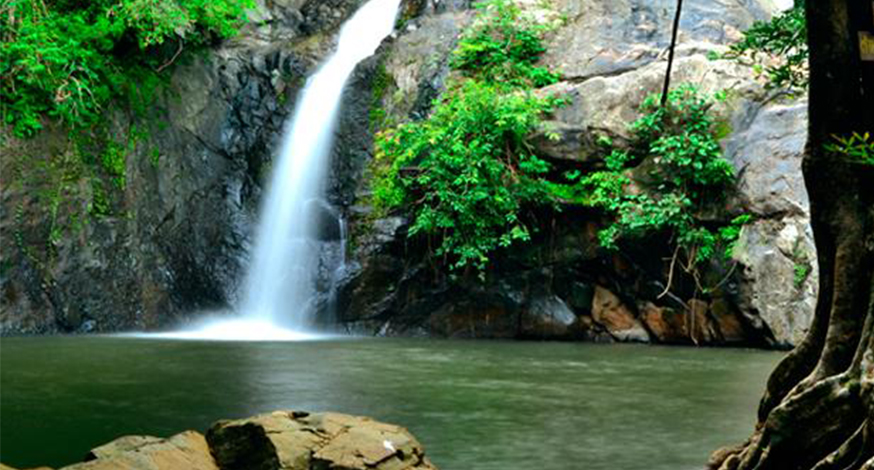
(292,440)
(607,38)
(777,254)
(730,328)
(185,451)
(702,327)
(667,325)
(767,156)
(609,311)
(779,277)
(548,317)
(282,440)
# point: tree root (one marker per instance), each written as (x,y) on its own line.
(825,424)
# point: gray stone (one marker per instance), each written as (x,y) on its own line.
(779,277)
(548,317)
(607,38)
(767,156)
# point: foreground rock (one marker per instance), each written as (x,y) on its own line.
(282,440)
(296,440)
(184,450)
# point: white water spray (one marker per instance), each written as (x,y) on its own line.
(278,287)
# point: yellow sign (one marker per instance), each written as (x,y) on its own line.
(866,45)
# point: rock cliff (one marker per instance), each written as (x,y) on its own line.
(176,236)
(563,286)
(174,239)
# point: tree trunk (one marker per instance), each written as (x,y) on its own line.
(818,410)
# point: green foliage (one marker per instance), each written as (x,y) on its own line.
(802,272)
(69,60)
(858,148)
(380,84)
(502,47)
(466,173)
(687,174)
(777,48)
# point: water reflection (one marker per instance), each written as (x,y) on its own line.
(476,405)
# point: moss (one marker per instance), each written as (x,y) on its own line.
(380,84)
(802,267)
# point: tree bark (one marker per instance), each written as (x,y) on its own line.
(818,410)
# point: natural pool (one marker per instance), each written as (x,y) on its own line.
(475,405)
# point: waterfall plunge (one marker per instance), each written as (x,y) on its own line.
(279,283)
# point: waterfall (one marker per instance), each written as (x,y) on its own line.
(278,287)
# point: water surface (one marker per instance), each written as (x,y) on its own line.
(475,405)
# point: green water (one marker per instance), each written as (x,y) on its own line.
(475,405)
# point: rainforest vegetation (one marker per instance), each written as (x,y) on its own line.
(70,61)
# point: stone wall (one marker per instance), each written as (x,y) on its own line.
(177,239)
(563,286)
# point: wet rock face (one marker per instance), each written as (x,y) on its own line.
(611,55)
(178,237)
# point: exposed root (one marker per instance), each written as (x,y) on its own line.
(831,419)
(852,454)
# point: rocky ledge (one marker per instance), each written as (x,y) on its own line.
(287,440)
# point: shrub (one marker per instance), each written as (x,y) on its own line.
(503,46)
(68,60)
(783,42)
(687,175)
(469,172)
(466,174)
